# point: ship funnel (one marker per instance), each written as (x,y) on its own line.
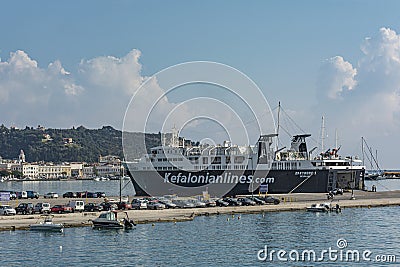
(299,143)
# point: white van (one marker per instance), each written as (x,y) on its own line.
(77,205)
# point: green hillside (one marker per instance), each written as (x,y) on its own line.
(54,145)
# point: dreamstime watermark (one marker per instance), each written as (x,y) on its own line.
(339,253)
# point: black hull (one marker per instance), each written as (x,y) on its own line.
(287,181)
(280,181)
(107,225)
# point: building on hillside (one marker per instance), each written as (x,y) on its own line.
(21,157)
(46,137)
(109,159)
(68,140)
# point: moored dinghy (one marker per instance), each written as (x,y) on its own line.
(320,207)
(109,220)
(47,225)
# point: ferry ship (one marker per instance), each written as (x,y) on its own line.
(186,169)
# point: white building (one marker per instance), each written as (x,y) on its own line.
(76,169)
(88,171)
(102,170)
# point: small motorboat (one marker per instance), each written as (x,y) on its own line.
(320,207)
(47,225)
(109,220)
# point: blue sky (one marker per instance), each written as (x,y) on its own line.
(283,46)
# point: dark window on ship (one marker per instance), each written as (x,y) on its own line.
(217,160)
(205,160)
(228,160)
(239,159)
(194,160)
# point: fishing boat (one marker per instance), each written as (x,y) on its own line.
(47,225)
(319,207)
(109,220)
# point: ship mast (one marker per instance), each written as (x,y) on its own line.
(322,134)
(277,128)
(362,150)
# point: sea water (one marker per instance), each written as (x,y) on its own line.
(223,240)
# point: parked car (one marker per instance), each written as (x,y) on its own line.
(22,195)
(51,195)
(32,194)
(42,207)
(101,194)
(25,208)
(155,205)
(257,200)
(61,209)
(93,207)
(109,206)
(221,203)
(198,203)
(69,195)
(7,210)
(77,205)
(81,194)
(271,200)
(124,206)
(233,201)
(168,203)
(210,203)
(183,203)
(91,195)
(138,204)
(246,201)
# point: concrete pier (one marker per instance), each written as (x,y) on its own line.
(289,202)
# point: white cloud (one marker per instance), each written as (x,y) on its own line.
(109,73)
(96,94)
(337,77)
(365,101)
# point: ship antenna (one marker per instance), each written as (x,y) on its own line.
(336,139)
